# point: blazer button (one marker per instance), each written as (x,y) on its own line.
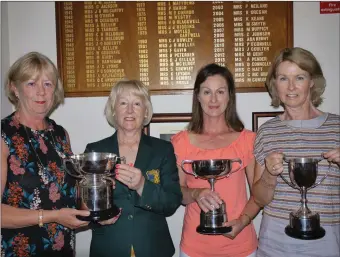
(130,217)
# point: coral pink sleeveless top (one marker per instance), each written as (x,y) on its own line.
(232,190)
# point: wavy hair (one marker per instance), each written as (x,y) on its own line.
(134,86)
(29,65)
(307,62)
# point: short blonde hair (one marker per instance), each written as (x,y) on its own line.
(25,67)
(134,86)
(307,62)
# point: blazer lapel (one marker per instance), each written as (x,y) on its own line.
(143,157)
(144,153)
(114,148)
(114,144)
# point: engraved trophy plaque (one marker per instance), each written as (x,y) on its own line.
(303,223)
(94,191)
(211,223)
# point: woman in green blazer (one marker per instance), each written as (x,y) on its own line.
(147,188)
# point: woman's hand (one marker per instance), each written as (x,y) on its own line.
(207,200)
(130,176)
(274,163)
(237,226)
(67,217)
(112,220)
(333,156)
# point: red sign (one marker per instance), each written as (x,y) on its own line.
(330,7)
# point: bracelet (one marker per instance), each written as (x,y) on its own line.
(245,214)
(40,218)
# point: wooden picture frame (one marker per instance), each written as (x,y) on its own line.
(165,125)
(258,118)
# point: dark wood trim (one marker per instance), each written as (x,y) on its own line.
(167,118)
(257,115)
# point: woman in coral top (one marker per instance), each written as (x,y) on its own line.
(216,132)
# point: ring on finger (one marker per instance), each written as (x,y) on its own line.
(274,169)
(201,198)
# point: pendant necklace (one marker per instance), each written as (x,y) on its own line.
(43,171)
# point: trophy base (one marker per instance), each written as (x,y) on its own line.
(305,235)
(213,231)
(96,216)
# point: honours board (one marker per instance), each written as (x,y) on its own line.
(164,44)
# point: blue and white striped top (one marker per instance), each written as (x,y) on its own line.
(296,140)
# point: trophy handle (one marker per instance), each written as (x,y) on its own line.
(285,180)
(323,178)
(109,168)
(289,183)
(122,159)
(240,163)
(188,162)
(74,166)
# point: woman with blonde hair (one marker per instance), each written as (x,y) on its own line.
(147,188)
(38,199)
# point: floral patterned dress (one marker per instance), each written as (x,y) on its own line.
(36,180)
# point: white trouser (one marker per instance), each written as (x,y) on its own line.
(182,254)
(274,242)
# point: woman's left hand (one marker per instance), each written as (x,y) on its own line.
(333,156)
(130,176)
(236,225)
(112,220)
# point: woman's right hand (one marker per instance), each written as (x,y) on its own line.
(67,217)
(274,163)
(207,200)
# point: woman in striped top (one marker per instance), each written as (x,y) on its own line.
(296,82)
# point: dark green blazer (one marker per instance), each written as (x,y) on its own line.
(143,219)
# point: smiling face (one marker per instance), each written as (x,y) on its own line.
(130,111)
(36,95)
(293,85)
(213,96)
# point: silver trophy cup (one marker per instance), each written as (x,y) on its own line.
(94,190)
(304,224)
(211,223)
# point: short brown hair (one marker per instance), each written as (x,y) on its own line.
(28,65)
(231,116)
(134,86)
(307,62)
